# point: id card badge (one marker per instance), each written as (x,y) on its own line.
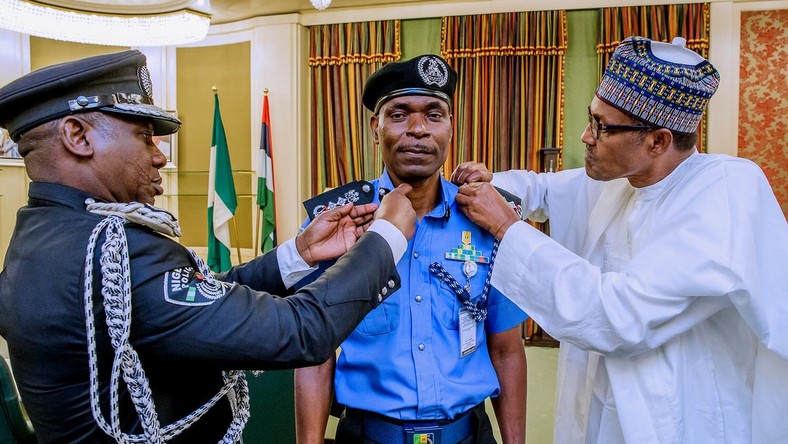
(467,333)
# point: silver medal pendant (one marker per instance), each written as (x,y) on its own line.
(469,268)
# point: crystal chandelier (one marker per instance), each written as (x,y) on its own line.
(320,4)
(170,28)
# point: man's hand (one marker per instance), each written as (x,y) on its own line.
(397,209)
(469,172)
(485,206)
(333,232)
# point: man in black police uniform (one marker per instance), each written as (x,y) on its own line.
(92,293)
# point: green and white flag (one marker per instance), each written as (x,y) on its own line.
(221,197)
(265,183)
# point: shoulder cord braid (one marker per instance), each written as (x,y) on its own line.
(116,291)
(479,309)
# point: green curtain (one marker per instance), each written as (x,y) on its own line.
(341,58)
(659,23)
(509,99)
(579,83)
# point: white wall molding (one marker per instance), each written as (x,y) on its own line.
(14,55)
(439,9)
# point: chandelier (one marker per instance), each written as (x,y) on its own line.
(320,4)
(161,29)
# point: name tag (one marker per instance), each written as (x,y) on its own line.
(467,333)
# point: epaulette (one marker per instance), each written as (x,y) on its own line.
(515,202)
(358,193)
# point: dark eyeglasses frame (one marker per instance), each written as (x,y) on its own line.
(597,126)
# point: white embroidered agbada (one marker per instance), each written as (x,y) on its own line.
(670,301)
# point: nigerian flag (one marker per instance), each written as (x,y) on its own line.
(265,183)
(221,197)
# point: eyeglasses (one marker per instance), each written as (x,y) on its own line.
(597,126)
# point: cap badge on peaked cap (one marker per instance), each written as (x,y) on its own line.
(433,71)
(145,82)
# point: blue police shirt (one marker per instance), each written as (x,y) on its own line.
(403,361)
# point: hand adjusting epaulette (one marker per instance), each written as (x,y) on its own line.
(358,193)
(515,202)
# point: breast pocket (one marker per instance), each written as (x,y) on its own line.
(447,303)
(383,319)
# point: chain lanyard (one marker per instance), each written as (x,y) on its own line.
(126,365)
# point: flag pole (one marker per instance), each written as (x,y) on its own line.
(237,240)
(258,213)
(257,229)
(232,219)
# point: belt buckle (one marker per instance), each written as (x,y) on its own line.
(426,434)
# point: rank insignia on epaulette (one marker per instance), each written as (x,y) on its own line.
(357,193)
(513,201)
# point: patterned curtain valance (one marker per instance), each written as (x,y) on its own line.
(509,101)
(354,43)
(505,34)
(341,58)
(656,22)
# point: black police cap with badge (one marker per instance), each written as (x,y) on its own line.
(425,75)
(117,83)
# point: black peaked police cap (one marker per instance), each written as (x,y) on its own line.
(425,75)
(116,83)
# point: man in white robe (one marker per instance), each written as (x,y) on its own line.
(662,276)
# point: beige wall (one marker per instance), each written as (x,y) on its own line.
(227,67)
(268,54)
(45,52)
(13,195)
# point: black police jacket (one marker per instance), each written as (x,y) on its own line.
(185,340)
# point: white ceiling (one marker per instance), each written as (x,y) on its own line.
(221,11)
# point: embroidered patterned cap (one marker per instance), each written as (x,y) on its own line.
(114,83)
(425,75)
(664,84)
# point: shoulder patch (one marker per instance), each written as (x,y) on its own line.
(514,202)
(358,192)
(186,286)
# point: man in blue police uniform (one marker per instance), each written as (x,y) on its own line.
(420,368)
(92,291)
